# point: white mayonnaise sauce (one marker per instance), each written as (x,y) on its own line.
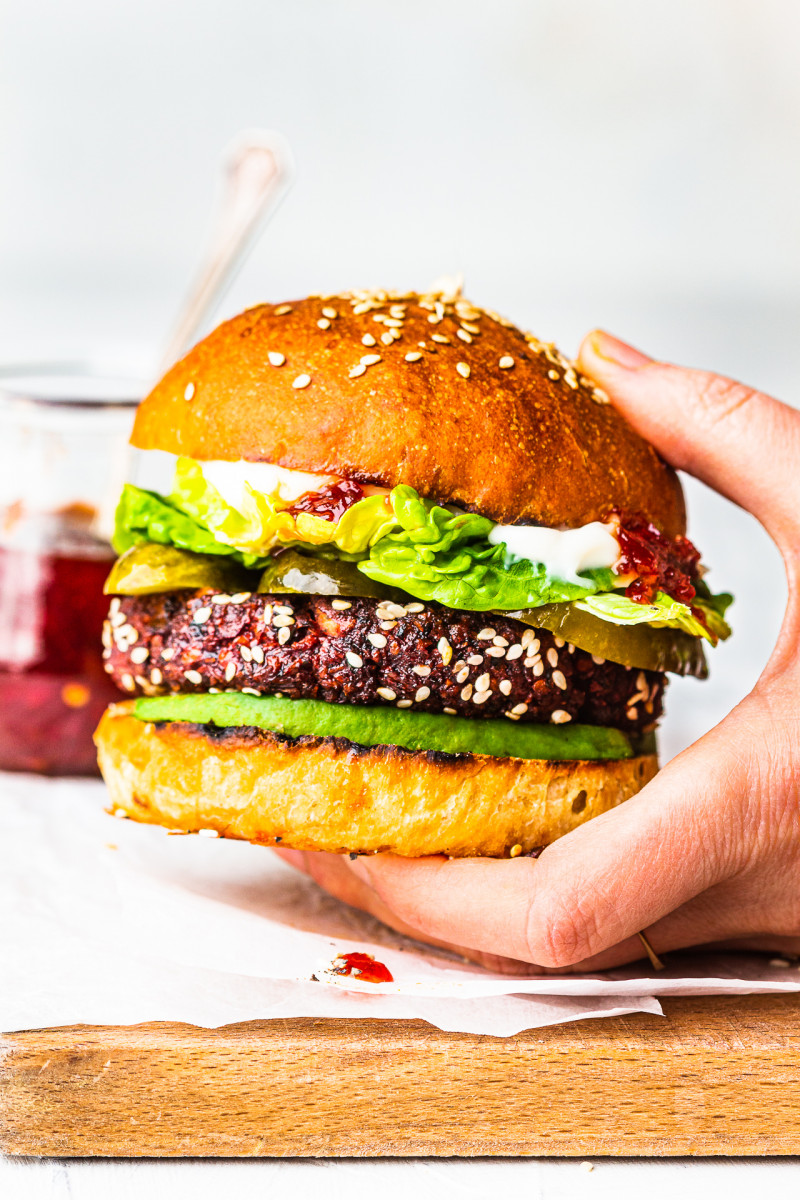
(564,552)
(229,479)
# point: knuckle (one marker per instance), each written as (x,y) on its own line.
(557,937)
(718,398)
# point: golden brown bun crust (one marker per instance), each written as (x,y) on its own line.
(531,443)
(327,794)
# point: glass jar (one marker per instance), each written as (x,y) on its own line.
(63,455)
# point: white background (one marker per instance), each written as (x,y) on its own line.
(583,162)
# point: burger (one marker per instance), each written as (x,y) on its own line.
(416,587)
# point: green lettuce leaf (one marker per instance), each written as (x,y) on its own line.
(144,516)
(445,556)
(664,611)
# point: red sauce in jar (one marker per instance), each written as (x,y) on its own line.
(362,966)
(661,564)
(331,502)
(53,687)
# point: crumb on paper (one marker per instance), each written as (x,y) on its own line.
(587,1166)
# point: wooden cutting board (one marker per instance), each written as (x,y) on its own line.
(716,1076)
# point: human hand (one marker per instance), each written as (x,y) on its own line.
(709,851)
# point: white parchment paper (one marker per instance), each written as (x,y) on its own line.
(109,922)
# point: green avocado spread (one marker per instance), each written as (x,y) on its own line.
(391,727)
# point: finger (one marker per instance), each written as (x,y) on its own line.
(331,873)
(739,441)
(594,888)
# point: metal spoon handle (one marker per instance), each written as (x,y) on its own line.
(257,173)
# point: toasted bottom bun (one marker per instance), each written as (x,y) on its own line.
(331,794)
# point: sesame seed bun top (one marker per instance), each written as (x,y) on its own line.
(427,390)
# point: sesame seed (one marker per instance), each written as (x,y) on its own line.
(552,374)
(479,697)
(528,637)
(475,660)
(355,660)
(155,676)
(221,598)
(559,642)
(128,633)
(514,651)
(363,307)
(387,625)
(240,597)
(257,653)
(597,660)
(422,670)
(506,363)
(245,653)
(570,648)
(451,712)
(559,680)
(387,338)
(538,668)
(519,709)
(127,682)
(560,717)
(496,652)
(285,610)
(466,692)
(599,396)
(283,636)
(422,694)
(386,693)
(282,310)
(369,360)
(331,313)
(445,649)
(463,370)
(505,686)
(463,675)
(486,634)
(214,692)
(114,606)
(230,671)
(323,323)
(470,328)
(404,703)
(552,657)
(441,338)
(414,356)
(515,851)
(301,381)
(248,691)
(631,714)
(276,359)
(193,676)
(415,607)
(211,833)
(394,610)
(354,372)
(465,337)
(120,812)
(368,340)
(201,616)
(398,311)
(140,654)
(188,391)
(483,682)
(393,322)
(167,654)
(377,640)
(282,622)
(341,605)
(140,679)
(641,681)
(499,641)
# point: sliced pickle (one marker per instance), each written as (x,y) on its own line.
(150,568)
(630,645)
(294,572)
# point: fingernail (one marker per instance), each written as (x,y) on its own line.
(613,350)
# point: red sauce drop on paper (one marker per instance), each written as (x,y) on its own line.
(362,966)
(661,564)
(331,502)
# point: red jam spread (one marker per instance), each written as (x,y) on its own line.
(53,688)
(661,564)
(331,502)
(362,966)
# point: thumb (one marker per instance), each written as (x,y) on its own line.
(740,442)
